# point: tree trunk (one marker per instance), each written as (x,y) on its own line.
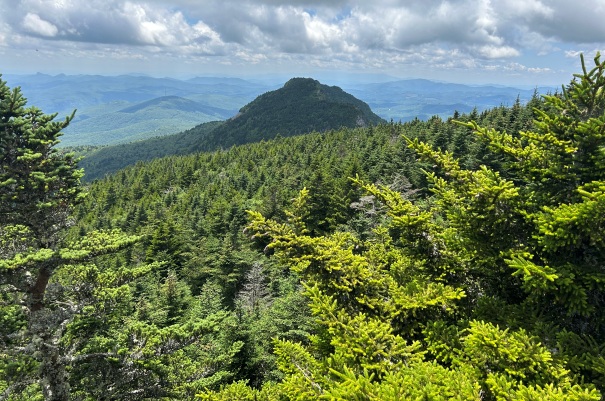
(45,329)
(53,376)
(38,290)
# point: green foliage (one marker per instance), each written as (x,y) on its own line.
(529,239)
(241,392)
(555,196)
(100,161)
(35,179)
(67,300)
(157,293)
(364,301)
(513,242)
(190,211)
(174,361)
(301,106)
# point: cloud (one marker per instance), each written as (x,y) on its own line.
(517,67)
(492,52)
(495,27)
(36,25)
(366,34)
(570,22)
(588,53)
(108,22)
(4,33)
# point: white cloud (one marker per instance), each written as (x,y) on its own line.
(492,52)
(251,58)
(525,9)
(161,29)
(573,53)
(295,26)
(36,25)
(517,67)
(588,53)
(447,34)
(563,20)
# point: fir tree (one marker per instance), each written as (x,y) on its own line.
(491,289)
(38,188)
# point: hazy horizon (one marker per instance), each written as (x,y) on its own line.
(325,77)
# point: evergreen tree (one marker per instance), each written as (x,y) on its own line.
(491,289)
(38,188)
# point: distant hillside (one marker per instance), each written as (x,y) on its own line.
(64,93)
(406,100)
(156,117)
(175,103)
(119,109)
(101,161)
(303,105)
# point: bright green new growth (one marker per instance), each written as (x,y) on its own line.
(491,289)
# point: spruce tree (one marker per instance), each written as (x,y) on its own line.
(38,188)
(492,289)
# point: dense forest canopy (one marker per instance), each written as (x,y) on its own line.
(302,106)
(446,259)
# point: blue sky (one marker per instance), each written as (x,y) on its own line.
(513,42)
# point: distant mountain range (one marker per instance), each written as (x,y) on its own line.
(303,105)
(156,117)
(124,108)
(405,100)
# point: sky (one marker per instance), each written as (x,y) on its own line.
(510,42)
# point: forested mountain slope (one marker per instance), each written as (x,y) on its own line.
(422,260)
(303,105)
(100,161)
(191,211)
